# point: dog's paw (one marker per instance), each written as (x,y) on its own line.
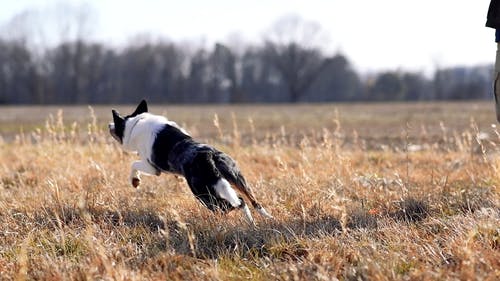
(136,182)
(264,213)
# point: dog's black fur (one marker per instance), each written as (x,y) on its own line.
(200,164)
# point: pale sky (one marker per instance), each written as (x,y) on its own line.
(374,35)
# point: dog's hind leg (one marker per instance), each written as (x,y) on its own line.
(246,211)
(225,191)
(243,187)
(230,171)
(247,191)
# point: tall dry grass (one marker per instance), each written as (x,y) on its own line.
(425,208)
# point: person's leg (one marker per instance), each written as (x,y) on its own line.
(496,84)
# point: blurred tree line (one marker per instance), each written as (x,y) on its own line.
(289,66)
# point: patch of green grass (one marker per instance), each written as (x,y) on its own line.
(69,246)
(404,268)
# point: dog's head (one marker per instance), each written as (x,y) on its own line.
(117,128)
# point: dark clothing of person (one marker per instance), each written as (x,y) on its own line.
(493,18)
(493,21)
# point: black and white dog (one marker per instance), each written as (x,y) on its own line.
(163,146)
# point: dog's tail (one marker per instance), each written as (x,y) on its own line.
(230,171)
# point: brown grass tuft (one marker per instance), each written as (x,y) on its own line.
(412,210)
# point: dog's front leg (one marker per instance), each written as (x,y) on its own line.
(137,168)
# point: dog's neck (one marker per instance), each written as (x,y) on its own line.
(127,138)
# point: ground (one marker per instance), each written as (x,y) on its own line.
(358,192)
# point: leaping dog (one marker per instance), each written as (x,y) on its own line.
(163,147)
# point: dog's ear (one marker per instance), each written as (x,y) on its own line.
(119,126)
(141,108)
(117,119)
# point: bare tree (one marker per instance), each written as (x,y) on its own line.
(44,28)
(294,47)
(40,30)
(75,25)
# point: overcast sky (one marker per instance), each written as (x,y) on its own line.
(374,35)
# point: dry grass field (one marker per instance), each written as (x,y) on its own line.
(358,192)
